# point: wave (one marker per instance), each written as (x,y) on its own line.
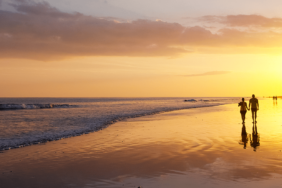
(210,100)
(33,106)
(190,100)
(82,117)
(99,125)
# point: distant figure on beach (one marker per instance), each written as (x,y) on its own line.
(243,109)
(255,107)
(255,140)
(274,100)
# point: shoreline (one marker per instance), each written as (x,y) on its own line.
(105,125)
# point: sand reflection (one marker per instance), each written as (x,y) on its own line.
(255,138)
(274,102)
(244,137)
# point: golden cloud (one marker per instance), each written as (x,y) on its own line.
(242,20)
(39,31)
(211,73)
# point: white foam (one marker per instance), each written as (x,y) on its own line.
(25,127)
(32,106)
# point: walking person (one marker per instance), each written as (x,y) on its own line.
(243,109)
(254,107)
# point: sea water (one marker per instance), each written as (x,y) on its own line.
(28,121)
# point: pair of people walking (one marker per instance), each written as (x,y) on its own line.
(253,103)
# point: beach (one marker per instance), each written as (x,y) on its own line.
(140,94)
(197,147)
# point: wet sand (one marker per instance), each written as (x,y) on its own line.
(200,147)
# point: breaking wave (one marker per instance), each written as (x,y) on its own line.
(32,106)
(73,117)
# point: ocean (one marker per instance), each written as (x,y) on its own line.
(28,121)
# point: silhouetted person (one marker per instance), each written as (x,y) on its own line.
(244,136)
(255,107)
(255,140)
(243,109)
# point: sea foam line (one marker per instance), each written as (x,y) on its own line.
(47,137)
(33,106)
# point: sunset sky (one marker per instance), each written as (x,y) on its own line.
(134,48)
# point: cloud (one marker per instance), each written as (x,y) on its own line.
(244,20)
(40,31)
(208,73)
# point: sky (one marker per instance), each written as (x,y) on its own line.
(133,48)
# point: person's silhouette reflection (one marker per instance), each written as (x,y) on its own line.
(244,136)
(255,139)
(274,101)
